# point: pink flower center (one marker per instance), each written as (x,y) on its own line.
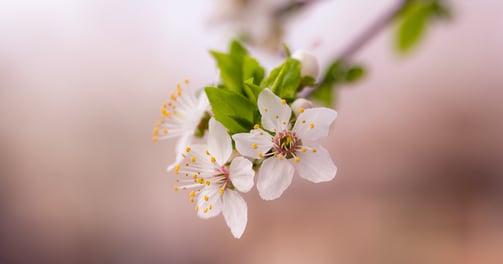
(286,143)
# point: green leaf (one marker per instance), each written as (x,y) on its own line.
(336,73)
(230,72)
(354,74)
(414,20)
(233,110)
(252,69)
(252,90)
(237,66)
(285,80)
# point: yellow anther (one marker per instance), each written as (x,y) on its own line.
(256,126)
(165,112)
(183,155)
(165,131)
(213,159)
(154,139)
(177,168)
(221,190)
(280,156)
(178,86)
(205,210)
(173,96)
(194,176)
(303,121)
(192,194)
(156,131)
(208,182)
(207,152)
(303,149)
(297,159)
(187,149)
(314,150)
(186,81)
(284,123)
(200,180)
(277,116)
(206,198)
(260,155)
(266,109)
(197,208)
(191,199)
(301,110)
(193,159)
(210,206)
(283,102)
(177,180)
(311,125)
(175,188)
(254,146)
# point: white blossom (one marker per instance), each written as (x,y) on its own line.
(287,149)
(309,63)
(214,182)
(180,116)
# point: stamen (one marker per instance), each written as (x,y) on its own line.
(254,146)
(208,182)
(175,188)
(187,149)
(266,109)
(193,159)
(297,159)
(260,155)
(283,102)
(256,126)
(303,149)
(311,125)
(206,198)
(301,110)
(186,81)
(154,139)
(221,190)
(213,160)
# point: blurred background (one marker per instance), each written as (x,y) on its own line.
(418,142)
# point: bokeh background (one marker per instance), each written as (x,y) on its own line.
(418,143)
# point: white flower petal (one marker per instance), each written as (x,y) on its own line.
(219,141)
(274,177)
(235,212)
(315,166)
(212,206)
(254,143)
(241,174)
(314,123)
(309,63)
(275,112)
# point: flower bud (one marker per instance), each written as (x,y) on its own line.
(300,104)
(308,62)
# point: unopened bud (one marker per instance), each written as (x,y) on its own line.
(299,105)
(308,62)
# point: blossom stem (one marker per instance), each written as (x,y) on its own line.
(366,36)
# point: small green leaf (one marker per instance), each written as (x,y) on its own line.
(414,20)
(354,74)
(230,72)
(307,81)
(285,80)
(233,110)
(252,69)
(252,90)
(335,74)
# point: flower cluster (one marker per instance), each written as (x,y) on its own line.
(274,134)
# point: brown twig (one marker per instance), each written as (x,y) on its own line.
(366,36)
